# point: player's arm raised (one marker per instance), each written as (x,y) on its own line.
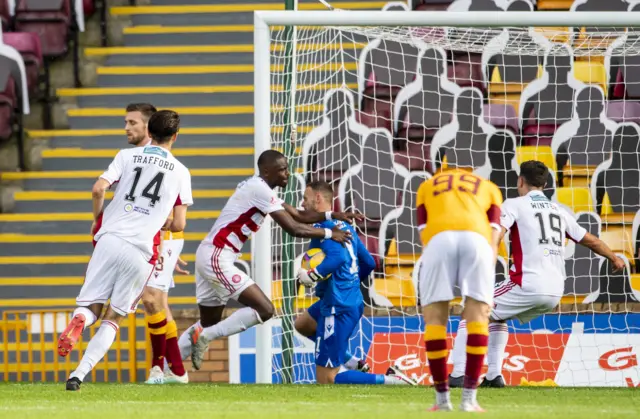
(296,229)
(311,217)
(579,235)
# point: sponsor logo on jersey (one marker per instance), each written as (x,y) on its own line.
(236,278)
(155,150)
(128,207)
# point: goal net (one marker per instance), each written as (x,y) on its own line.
(377,109)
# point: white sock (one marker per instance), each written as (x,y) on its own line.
(184,343)
(498,337)
(469,395)
(352,363)
(89,317)
(239,321)
(443,398)
(459,352)
(97,348)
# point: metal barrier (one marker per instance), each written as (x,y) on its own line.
(29,348)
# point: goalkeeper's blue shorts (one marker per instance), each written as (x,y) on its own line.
(333,333)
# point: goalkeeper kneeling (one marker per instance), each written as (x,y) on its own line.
(331,321)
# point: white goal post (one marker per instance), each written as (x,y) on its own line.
(370,25)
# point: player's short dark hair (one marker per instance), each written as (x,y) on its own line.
(322,187)
(163,125)
(535,173)
(146,109)
(268,157)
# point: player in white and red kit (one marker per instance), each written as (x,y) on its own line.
(152,184)
(538,228)
(218,279)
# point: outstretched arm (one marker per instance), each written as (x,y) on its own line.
(296,229)
(311,217)
(601,248)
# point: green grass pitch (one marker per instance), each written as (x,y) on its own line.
(129,401)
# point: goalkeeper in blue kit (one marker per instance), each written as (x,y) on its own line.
(331,321)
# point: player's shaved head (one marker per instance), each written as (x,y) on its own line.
(273,168)
(323,188)
(163,126)
(269,158)
(145,109)
(534,173)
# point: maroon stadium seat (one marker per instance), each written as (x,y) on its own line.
(7,105)
(89,7)
(502,117)
(50,19)
(466,71)
(28,45)
(5,18)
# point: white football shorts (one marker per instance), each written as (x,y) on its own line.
(117,271)
(456,258)
(218,279)
(163,279)
(511,302)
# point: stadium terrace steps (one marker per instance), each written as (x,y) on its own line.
(197,59)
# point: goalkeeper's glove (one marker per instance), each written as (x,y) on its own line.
(308,278)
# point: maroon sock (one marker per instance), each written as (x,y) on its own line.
(158,333)
(477,341)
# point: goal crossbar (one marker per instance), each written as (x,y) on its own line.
(443,18)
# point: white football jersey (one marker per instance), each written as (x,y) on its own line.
(538,228)
(243,214)
(150,183)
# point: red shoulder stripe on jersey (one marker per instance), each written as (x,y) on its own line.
(421,215)
(493,214)
(515,275)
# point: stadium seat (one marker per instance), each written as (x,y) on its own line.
(620,241)
(5,17)
(89,7)
(426,104)
(401,292)
(7,108)
(434,5)
(466,71)
(541,153)
(554,4)
(28,45)
(502,116)
(334,146)
(623,111)
(591,73)
(463,140)
(578,199)
(50,19)
(414,155)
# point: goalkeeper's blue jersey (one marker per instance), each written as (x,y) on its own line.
(347,264)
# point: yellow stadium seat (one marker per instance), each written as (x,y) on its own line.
(498,87)
(578,176)
(554,4)
(635,282)
(557,34)
(401,292)
(541,153)
(578,199)
(619,240)
(591,72)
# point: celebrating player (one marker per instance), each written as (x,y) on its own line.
(218,279)
(152,183)
(536,280)
(162,326)
(340,308)
(458,214)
